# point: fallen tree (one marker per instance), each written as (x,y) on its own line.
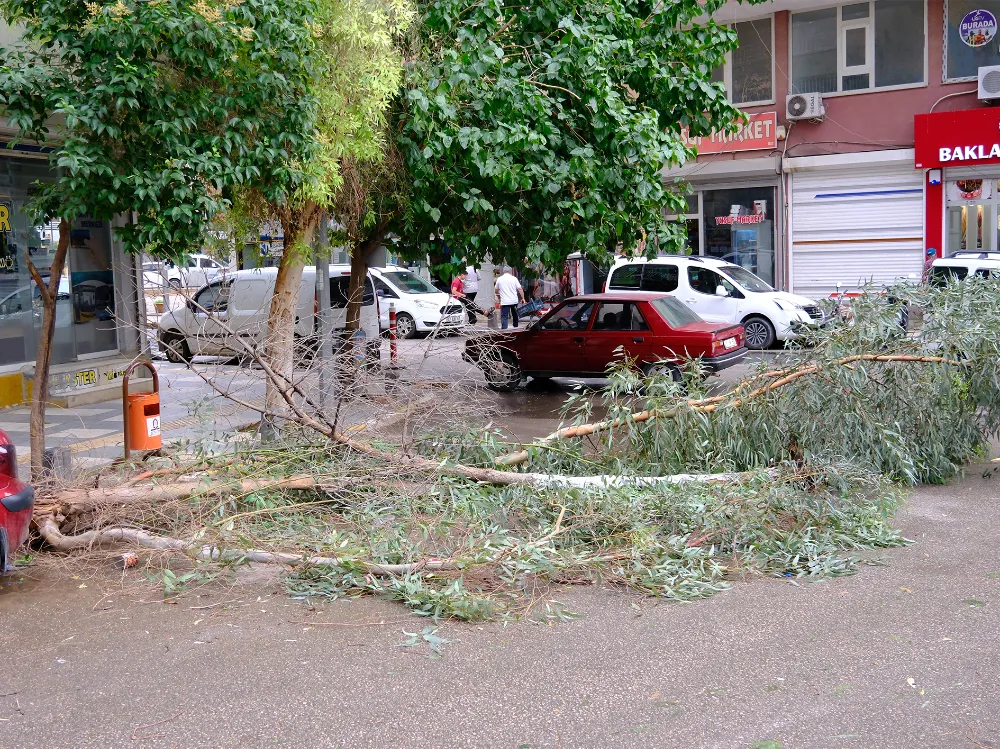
(790,472)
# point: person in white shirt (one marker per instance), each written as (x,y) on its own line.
(470,287)
(471,282)
(508,293)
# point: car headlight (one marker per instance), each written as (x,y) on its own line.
(787,306)
(423,303)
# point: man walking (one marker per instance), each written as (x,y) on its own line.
(508,293)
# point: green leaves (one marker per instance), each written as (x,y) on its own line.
(555,124)
(159,108)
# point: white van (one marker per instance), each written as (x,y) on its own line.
(719,291)
(420,308)
(241,302)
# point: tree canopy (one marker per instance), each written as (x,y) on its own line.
(158,107)
(531,132)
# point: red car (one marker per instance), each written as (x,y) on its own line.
(17,500)
(583,335)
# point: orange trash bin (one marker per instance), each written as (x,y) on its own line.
(142,413)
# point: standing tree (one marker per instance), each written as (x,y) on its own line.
(155,108)
(531,132)
(360,44)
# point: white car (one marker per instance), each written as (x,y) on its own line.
(237,307)
(964,263)
(196,271)
(420,308)
(719,291)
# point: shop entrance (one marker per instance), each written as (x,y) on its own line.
(739,228)
(972,214)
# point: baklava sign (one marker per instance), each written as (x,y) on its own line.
(962,138)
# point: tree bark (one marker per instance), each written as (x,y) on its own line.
(297,225)
(43,357)
(359,269)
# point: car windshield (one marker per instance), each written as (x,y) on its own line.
(745,278)
(409,282)
(674,312)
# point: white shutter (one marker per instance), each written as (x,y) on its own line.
(854,225)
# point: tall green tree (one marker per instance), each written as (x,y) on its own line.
(533,131)
(154,109)
(360,44)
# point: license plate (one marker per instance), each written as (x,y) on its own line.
(729,343)
(452,319)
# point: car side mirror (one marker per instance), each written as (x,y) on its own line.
(721,291)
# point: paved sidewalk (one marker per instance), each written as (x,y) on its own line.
(190,408)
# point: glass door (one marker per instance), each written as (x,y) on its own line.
(972,215)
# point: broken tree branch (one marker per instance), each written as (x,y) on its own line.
(708,405)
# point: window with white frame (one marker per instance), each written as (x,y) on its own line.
(858,47)
(971,40)
(748,71)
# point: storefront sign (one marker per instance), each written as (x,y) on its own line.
(759,133)
(729,220)
(85,378)
(4,216)
(978,28)
(957,138)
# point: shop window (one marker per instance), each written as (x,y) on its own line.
(858,47)
(970,37)
(748,69)
(739,228)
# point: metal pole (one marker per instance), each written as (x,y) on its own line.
(393,354)
(322,327)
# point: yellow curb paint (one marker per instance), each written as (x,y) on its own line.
(11,389)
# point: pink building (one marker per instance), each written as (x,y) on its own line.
(848,181)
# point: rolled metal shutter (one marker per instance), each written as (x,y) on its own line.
(857,225)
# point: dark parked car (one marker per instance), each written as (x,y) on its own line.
(16,502)
(584,334)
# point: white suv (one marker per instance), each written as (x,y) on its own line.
(720,292)
(964,263)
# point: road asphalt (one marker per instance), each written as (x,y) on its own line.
(902,654)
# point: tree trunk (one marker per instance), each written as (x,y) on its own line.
(279,347)
(359,269)
(43,358)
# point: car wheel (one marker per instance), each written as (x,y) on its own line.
(304,350)
(665,369)
(406,327)
(502,371)
(176,348)
(759,332)
(175,283)
(4,551)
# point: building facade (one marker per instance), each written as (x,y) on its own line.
(846,196)
(97,316)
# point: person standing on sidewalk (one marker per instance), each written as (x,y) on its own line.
(508,293)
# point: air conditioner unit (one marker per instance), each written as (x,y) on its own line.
(804,107)
(989,83)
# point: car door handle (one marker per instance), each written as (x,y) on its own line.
(578,339)
(638,340)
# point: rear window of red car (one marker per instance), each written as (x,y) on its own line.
(675,313)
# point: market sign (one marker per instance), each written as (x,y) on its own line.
(758,133)
(978,28)
(756,218)
(969,137)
